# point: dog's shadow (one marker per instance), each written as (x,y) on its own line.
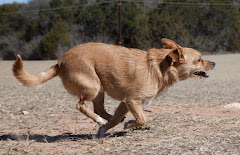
(51,139)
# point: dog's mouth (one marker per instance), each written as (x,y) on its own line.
(201,74)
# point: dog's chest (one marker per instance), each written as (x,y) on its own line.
(148,102)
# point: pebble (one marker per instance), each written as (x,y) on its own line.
(25,112)
(232,105)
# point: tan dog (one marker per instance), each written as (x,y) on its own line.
(131,76)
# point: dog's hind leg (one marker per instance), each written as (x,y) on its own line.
(82,106)
(98,104)
(116,119)
(84,83)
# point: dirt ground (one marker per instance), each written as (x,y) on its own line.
(192,117)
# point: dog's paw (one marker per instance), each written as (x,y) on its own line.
(100,121)
(101,132)
(127,125)
(123,119)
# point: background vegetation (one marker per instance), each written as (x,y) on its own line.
(45,29)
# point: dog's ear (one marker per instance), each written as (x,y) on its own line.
(176,55)
(169,44)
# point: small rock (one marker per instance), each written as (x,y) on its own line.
(25,112)
(232,105)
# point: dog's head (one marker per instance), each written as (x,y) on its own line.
(187,61)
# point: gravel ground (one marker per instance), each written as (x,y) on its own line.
(192,117)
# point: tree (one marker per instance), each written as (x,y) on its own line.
(11,30)
(45,29)
(58,35)
(134,26)
(165,22)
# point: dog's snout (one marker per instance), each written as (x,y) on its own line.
(213,64)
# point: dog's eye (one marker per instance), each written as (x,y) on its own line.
(182,57)
(199,60)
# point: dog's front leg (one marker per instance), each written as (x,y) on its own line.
(135,107)
(116,119)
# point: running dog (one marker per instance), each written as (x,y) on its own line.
(134,77)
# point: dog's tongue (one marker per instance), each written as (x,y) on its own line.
(204,75)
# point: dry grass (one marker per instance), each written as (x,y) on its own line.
(189,118)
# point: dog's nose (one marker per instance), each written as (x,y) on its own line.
(213,64)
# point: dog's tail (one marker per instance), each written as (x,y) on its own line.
(32,80)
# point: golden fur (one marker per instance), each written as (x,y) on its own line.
(131,76)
